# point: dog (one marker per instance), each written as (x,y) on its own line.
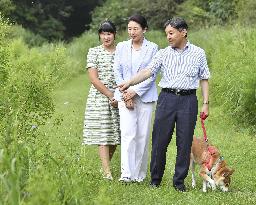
(213,167)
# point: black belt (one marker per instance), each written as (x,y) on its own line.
(179,91)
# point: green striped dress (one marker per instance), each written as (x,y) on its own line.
(101,124)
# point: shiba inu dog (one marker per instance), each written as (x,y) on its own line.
(214,170)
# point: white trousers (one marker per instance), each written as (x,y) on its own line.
(135,130)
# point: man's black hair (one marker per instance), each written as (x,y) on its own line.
(177,22)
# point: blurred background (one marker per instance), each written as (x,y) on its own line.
(64,19)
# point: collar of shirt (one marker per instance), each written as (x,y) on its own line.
(187,46)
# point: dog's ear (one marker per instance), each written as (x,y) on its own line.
(227,172)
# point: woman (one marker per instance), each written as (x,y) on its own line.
(101,125)
(135,116)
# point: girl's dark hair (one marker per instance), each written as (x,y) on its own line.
(107,26)
(139,19)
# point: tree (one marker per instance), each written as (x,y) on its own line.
(207,12)
(155,11)
(246,12)
(58,19)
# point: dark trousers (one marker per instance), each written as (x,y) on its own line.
(173,109)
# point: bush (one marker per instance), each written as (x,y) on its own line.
(119,11)
(201,13)
(27,79)
(232,65)
(246,12)
(31,39)
(78,48)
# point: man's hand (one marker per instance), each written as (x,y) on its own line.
(205,110)
(142,75)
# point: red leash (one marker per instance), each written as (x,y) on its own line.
(211,149)
(203,116)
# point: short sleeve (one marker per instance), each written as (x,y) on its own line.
(204,72)
(156,62)
(91,58)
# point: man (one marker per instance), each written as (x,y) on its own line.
(182,65)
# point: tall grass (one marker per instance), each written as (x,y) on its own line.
(232,63)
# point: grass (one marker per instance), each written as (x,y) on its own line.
(72,175)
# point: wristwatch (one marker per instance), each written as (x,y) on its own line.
(206,102)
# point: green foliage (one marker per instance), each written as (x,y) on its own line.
(52,20)
(200,13)
(41,17)
(6,7)
(109,11)
(223,11)
(28,76)
(58,20)
(156,12)
(4,55)
(42,119)
(195,15)
(78,49)
(68,173)
(233,72)
(246,12)
(31,39)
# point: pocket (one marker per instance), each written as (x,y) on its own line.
(161,100)
(193,104)
(193,71)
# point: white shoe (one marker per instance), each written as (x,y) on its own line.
(139,179)
(108,177)
(125,179)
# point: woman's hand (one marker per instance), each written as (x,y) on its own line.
(113,102)
(129,94)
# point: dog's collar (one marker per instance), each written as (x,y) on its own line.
(215,167)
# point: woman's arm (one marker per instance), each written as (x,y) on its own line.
(94,78)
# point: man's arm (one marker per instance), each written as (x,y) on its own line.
(138,78)
(205,93)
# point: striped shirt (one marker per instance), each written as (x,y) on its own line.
(180,70)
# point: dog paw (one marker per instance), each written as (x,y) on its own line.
(213,186)
(223,188)
(193,184)
(204,190)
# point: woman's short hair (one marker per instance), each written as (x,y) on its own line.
(140,20)
(107,26)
